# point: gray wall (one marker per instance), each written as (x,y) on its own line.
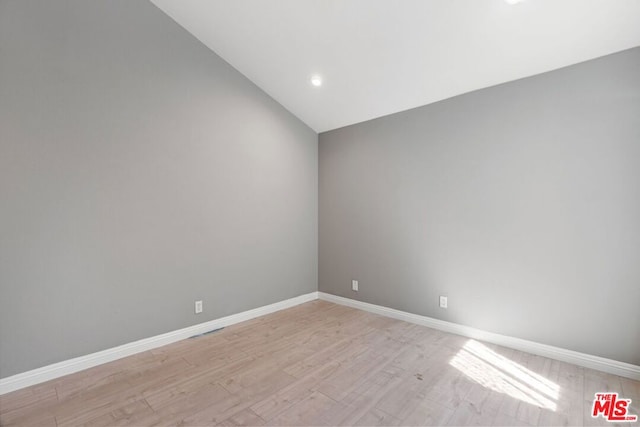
(138,173)
(520,202)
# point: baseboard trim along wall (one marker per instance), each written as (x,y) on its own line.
(81,363)
(77,364)
(581,359)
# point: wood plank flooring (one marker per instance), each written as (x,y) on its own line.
(321,364)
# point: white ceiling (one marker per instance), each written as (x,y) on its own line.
(379,57)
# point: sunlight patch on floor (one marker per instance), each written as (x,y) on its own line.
(498,373)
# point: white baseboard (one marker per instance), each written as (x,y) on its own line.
(581,359)
(70,366)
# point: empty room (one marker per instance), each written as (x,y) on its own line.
(319,212)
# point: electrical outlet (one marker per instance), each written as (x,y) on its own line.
(198,307)
(354,285)
(443,302)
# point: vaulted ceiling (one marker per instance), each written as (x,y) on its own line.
(378,57)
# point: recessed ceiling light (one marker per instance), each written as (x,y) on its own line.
(513,1)
(316,81)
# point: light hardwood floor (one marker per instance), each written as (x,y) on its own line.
(321,364)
